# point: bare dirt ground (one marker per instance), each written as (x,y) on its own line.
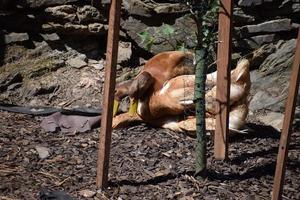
(146,163)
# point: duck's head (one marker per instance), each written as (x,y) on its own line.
(121,91)
(140,85)
(241,72)
(136,89)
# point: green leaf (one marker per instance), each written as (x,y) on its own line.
(206,32)
(167,29)
(181,47)
(147,39)
(145,36)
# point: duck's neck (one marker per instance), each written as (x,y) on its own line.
(143,109)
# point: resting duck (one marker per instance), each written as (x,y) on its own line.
(176,96)
(155,73)
(239,86)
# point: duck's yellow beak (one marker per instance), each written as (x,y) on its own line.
(133,107)
(115,108)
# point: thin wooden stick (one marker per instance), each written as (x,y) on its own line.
(287,125)
(108,98)
(223,79)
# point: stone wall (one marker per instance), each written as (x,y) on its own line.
(265,21)
(256,22)
(48,16)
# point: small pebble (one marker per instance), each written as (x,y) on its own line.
(87,193)
(43,152)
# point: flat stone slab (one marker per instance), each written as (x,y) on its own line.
(77,62)
(15,37)
(273,119)
(273,26)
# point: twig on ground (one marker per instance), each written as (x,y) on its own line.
(62,182)
(195,182)
(47,174)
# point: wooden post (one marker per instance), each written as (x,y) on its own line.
(223,79)
(287,125)
(109,90)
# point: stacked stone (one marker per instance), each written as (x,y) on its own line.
(259,22)
(22,18)
(256,22)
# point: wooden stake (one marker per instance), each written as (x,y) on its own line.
(287,125)
(223,79)
(109,90)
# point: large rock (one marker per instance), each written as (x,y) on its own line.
(273,119)
(71,13)
(15,38)
(259,55)
(271,81)
(168,8)
(264,39)
(158,40)
(151,8)
(269,92)
(75,29)
(53,27)
(281,59)
(262,100)
(273,26)
(42,3)
(62,13)
(290,5)
(77,62)
(97,28)
(251,3)
(50,37)
(133,26)
(240,17)
(137,7)
(74,20)
(66,19)
(88,14)
(257,41)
